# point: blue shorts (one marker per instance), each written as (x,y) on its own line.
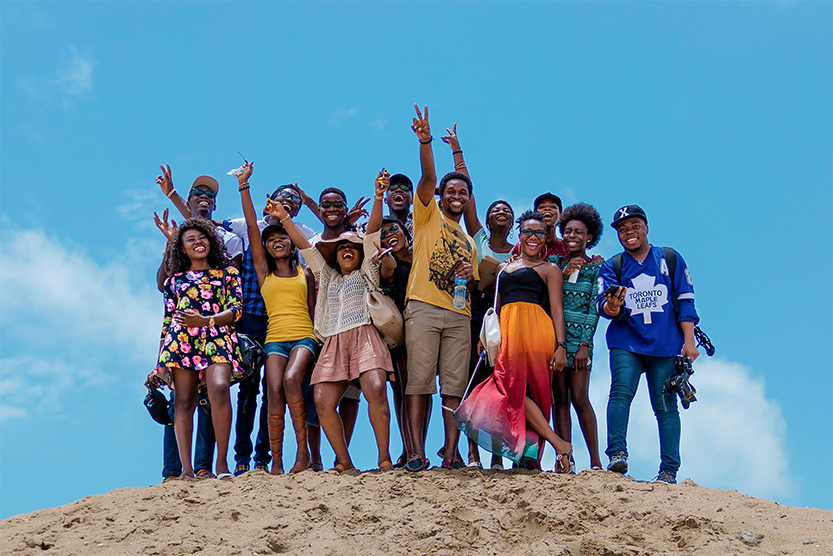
(285,348)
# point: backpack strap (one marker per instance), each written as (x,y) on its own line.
(618,260)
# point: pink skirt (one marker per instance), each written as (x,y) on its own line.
(348,354)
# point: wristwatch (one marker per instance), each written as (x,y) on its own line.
(562,345)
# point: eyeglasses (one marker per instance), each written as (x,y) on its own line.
(392,229)
(527,233)
(287,194)
(402,186)
(210,193)
(334,204)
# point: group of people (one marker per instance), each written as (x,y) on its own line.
(303,296)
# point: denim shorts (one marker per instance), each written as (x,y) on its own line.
(285,348)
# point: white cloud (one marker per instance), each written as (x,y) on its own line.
(68,321)
(76,76)
(378,124)
(339,116)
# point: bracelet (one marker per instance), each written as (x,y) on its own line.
(458,151)
(243,186)
(379,197)
(461,164)
(585,344)
(561,345)
(285,218)
(171,193)
(431,138)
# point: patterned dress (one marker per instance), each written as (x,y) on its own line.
(199,348)
(580,315)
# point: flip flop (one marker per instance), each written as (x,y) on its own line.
(225,476)
(205,474)
(341,469)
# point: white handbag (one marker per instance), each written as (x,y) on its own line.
(490,331)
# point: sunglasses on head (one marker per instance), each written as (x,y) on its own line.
(402,186)
(392,229)
(210,193)
(328,204)
(527,233)
(287,194)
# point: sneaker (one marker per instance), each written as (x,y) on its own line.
(666,477)
(618,463)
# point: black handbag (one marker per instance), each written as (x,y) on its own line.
(160,409)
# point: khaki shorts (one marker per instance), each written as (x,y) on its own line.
(438,342)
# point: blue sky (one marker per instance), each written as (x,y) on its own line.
(715,117)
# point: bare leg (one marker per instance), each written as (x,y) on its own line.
(327,396)
(415,405)
(275,369)
(374,388)
(314,441)
(579,391)
(561,403)
(536,421)
(185,402)
(452,433)
(399,403)
(218,379)
(299,362)
(348,410)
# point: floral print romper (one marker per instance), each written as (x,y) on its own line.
(199,348)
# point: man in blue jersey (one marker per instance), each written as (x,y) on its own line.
(649,329)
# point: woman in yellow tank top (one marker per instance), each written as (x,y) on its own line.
(288,290)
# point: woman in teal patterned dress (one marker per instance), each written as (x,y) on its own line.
(581,228)
(199,344)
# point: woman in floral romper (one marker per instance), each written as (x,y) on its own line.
(199,345)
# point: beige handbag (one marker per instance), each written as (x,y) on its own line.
(490,331)
(385,315)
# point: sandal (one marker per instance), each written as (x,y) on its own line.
(451,464)
(339,468)
(415,464)
(401,461)
(205,474)
(316,466)
(567,467)
(386,466)
(298,467)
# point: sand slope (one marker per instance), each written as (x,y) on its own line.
(434,512)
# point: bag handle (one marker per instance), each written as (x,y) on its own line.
(497,284)
(368,282)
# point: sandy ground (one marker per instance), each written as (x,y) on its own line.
(434,512)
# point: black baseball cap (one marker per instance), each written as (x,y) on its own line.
(403,179)
(548,197)
(628,211)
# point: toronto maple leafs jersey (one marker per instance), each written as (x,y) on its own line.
(647,325)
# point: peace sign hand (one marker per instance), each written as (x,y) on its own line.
(164,181)
(168,229)
(421,127)
(451,139)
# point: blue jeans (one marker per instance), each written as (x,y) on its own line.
(255,327)
(204,451)
(626,368)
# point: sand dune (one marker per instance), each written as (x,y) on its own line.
(435,512)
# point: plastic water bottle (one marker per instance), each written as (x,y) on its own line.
(459,292)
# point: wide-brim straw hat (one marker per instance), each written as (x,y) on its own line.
(327,247)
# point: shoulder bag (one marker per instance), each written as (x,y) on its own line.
(490,331)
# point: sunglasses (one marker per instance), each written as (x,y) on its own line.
(393,229)
(210,193)
(287,194)
(402,186)
(334,204)
(527,233)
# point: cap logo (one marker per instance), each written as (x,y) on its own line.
(623,212)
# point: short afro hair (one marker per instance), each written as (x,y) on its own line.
(335,190)
(529,215)
(454,176)
(588,215)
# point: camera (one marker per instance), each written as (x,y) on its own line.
(679,383)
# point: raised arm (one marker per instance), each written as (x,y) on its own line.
(473,224)
(310,203)
(167,184)
(382,183)
(273,208)
(428,180)
(255,243)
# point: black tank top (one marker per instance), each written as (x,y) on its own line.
(524,285)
